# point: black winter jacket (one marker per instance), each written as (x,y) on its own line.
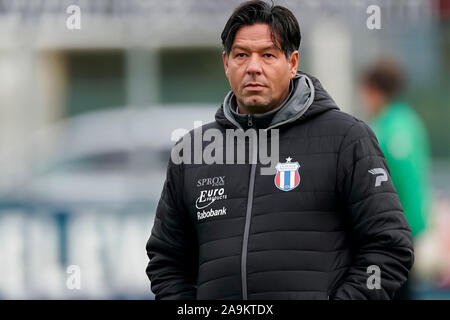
(224,231)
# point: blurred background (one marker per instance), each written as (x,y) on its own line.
(88,117)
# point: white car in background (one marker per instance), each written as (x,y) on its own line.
(108,157)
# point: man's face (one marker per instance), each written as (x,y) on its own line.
(258,72)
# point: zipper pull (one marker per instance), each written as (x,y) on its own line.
(249,120)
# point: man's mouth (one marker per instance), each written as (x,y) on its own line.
(254,86)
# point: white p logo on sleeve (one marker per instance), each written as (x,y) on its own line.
(381,175)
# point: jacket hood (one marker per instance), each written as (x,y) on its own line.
(307,99)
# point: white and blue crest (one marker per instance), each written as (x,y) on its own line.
(288,175)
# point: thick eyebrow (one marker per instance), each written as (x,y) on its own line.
(272,47)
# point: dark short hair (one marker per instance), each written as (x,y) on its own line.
(284,28)
(387,76)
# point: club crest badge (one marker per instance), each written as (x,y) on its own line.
(288,175)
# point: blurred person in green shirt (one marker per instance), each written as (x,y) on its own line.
(403,139)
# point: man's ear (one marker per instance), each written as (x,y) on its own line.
(293,63)
(225,62)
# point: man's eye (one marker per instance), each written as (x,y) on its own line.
(240,55)
(269,55)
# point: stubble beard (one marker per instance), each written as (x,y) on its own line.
(255,106)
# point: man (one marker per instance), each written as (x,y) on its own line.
(327,224)
(403,140)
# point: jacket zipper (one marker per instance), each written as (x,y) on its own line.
(248,214)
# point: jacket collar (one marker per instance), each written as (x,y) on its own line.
(306,98)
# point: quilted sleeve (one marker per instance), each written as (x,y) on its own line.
(172,246)
(379,232)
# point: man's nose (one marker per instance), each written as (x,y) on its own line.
(254,64)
